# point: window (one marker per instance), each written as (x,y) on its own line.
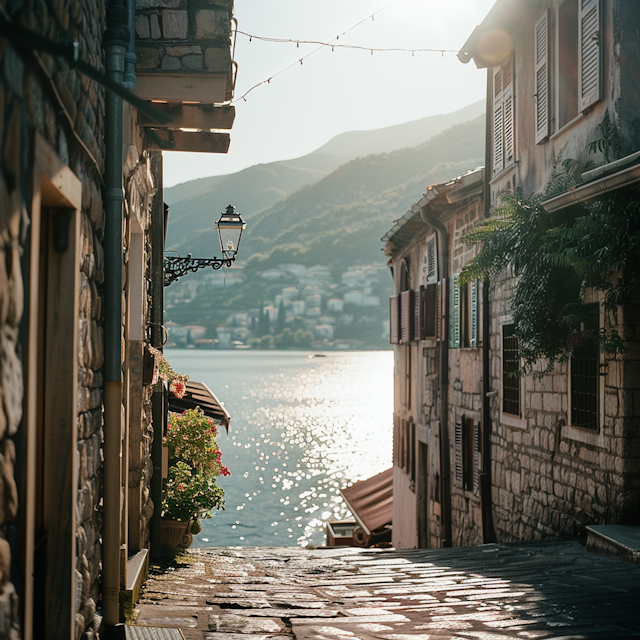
(503,117)
(463,313)
(578,63)
(510,371)
(467,454)
(585,375)
(394,320)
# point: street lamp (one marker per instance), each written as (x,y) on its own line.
(230,226)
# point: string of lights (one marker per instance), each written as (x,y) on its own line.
(334,45)
(323,45)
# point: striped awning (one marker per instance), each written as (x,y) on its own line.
(371,501)
(199,395)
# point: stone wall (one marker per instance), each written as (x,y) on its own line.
(551,479)
(183,35)
(465,384)
(67,110)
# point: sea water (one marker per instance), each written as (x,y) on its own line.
(303,426)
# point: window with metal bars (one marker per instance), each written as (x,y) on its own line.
(585,378)
(510,371)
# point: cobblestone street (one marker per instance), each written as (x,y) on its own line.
(494,592)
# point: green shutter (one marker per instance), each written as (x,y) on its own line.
(473,341)
(454,312)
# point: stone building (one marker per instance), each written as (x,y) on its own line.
(565,447)
(81,243)
(527,456)
(437,332)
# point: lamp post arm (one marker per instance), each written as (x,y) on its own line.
(175,267)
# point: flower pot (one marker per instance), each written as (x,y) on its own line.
(175,535)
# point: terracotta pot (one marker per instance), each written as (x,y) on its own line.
(175,535)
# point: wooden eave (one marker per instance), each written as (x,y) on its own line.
(194,141)
(205,88)
(192,116)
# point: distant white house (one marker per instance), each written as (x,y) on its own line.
(324,331)
(353,297)
(335,304)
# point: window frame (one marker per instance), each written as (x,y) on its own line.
(585,434)
(583,103)
(508,419)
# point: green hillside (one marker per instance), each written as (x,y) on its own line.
(341,217)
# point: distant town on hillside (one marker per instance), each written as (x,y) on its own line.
(300,307)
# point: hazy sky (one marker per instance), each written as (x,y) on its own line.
(343,90)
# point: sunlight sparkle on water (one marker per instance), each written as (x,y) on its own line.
(302,428)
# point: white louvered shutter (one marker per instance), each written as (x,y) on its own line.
(590,60)
(439,312)
(498,122)
(542,77)
(432,261)
(418,314)
(509,113)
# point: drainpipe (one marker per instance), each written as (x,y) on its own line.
(116,39)
(445,454)
(488,529)
(158,229)
(130,55)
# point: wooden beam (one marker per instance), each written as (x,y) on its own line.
(207,88)
(192,116)
(198,141)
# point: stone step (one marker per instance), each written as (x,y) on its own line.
(615,540)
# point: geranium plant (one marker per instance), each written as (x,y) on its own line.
(191,491)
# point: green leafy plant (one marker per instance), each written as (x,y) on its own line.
(191,491)
(555,257)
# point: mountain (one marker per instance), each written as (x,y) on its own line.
(196,204)
(318,222)
(336,220)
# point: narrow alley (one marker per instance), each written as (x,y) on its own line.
(551,590)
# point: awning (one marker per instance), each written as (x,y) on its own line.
(199,395)
(371,501)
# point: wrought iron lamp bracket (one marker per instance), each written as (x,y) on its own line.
(175,266)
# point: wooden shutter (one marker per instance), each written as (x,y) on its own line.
(430,307)
(477,461)
(498,122)
(458,451)
(406,316)
(542,77)
(473,338)
(509,113)
(418,314)
(394,336)
(590,58)
(412,452)
(432,260)
(454,312)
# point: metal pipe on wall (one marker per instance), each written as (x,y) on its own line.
(116,39)
(130,55)
(157,318)
(488,529)
(445,454)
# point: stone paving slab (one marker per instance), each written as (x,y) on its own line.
(530,591)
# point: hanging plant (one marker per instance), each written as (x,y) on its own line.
(176,382)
